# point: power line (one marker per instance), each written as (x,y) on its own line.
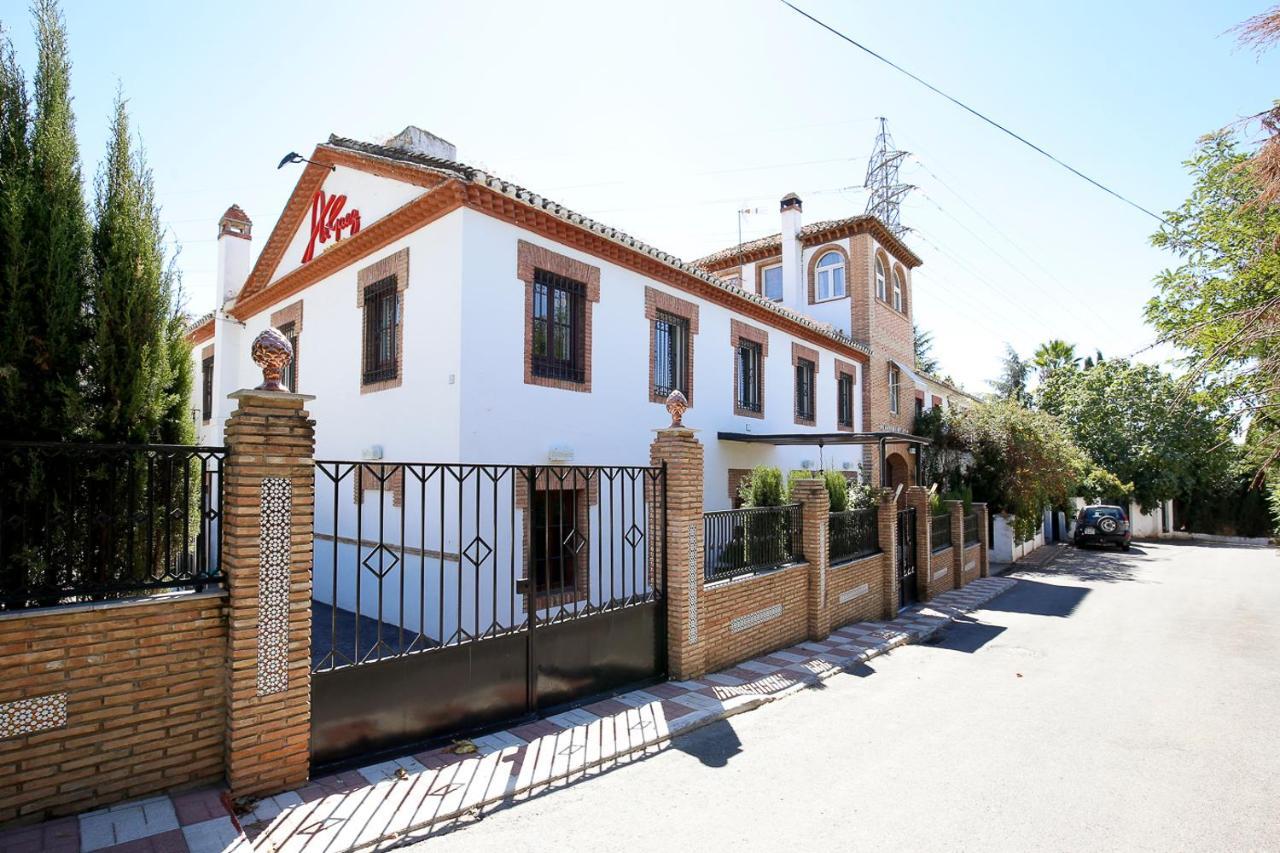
(997,125)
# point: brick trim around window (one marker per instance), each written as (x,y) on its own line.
(398,266)
(586,494)
(279,319)
(759,271)
(737,476)
(657,300)
(206,356)
(375,480)
(530,257)
(845,368)
(813,272)
(798,352)
(739,331)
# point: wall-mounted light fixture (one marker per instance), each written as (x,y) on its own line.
(295,157)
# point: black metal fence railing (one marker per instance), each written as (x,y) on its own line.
(91,522)
(852,535)
(971,529)
(741,541)
(940,531)
(411,557)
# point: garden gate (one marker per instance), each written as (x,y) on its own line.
(907,592)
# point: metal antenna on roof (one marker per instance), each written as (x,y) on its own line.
(886,191)
(741,213)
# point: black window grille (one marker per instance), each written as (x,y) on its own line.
(554,535)
(845,404)
(206,388)
(749,357)
(381,322)
(804,389)
(289,376)
(671,354)
(559,327)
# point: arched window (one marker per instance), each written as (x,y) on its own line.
(830,276)
(897,290)
(880,293)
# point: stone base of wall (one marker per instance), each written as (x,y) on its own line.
(107,702)
(855,591)
(743,618)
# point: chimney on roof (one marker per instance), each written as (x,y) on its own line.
(418,141)
(235,232)
(791,251)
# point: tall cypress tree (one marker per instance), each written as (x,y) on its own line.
(16,293)
(129,365)
(57,245)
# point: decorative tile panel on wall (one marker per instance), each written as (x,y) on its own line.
(751,620)
(37,714)
(850,594)
(693,584)
(273,585)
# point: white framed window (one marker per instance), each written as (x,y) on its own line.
(897,291)
(895,388)
(771,282)
(880,291)
(830,284)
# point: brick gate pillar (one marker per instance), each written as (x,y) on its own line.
(956,508)
(815,505)
(984,566)
(887,517)
(679,448)
(269,501)
(918,499)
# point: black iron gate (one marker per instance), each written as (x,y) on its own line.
(906,557)
(451,598)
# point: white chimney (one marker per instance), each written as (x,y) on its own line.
(418,141)
(235,231)
(791,251)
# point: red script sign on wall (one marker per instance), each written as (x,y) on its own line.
(328,221)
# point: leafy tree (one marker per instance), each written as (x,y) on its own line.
(837,490)
(925,359)
(49,372)
(131,369)
(1222,302)
(1136,422)
(1053,355)
(1012,384)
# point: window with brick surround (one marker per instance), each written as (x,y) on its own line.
(895,388)
(750,365)
(289,376)
(670,355)
(206,388)
(897,291)
(554,535)
(805,370)
(559,319)
(771,283)
(880,284)
(844,402)
(830,276)
(381,324)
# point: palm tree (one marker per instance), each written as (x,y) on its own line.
(1055,354)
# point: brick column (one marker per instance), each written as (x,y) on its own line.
(269,502)
(918,498)
(956,508)
(815,504)
(984,565)
(887,520)
(680,449)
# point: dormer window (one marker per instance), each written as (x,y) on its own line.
(771,282)
(880,285)
(830,276)
(897,291)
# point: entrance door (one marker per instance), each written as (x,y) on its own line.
(907,557)
(449,599)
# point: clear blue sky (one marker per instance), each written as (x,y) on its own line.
(664,118)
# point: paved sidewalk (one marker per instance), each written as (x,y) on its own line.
(382,804)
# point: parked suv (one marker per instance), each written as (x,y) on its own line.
(1102,525)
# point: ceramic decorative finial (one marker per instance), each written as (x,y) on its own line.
(677,405)
(271,351)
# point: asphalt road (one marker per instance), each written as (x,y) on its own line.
(1109,702)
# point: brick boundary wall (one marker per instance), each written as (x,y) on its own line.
(971,566)
(750,616)
(856,590)
(101,703)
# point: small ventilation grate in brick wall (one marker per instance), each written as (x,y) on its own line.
(751,620)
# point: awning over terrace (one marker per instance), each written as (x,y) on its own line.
(824,439)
